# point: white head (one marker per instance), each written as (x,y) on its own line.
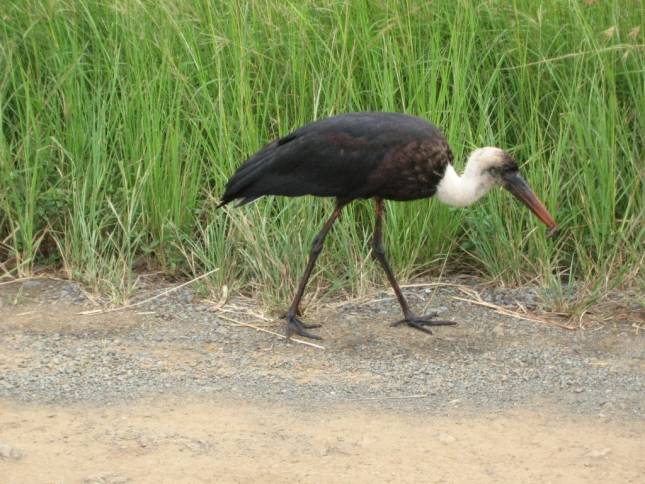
(488,167)
(483,171)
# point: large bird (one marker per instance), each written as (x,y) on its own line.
(384,156)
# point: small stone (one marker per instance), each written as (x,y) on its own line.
(71,288)
(597,453)
(446,438)
(32,284)
(330,450)
(9,453)
(106,478)
(197,446)
(145,441)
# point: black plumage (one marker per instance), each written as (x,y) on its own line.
(358,155)
(374,155)
(352,156)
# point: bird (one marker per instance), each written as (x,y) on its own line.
(380,156)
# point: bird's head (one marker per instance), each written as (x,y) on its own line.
(500,168)
(488,167)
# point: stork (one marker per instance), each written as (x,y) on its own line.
(384,156)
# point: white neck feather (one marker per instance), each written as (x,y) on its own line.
(461,191)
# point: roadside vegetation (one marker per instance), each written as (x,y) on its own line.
(121,121)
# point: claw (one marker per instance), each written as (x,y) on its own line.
(294,325)
(420,322)
(418,326)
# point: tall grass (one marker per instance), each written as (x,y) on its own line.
(121,121)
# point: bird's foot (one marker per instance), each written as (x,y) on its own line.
(295,326)
(420,322)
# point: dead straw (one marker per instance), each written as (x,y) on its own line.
(157,296)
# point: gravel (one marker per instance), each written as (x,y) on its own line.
(177,344)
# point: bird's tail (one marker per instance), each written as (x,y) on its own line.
(240,185)
(240,202)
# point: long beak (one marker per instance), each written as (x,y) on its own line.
(515,184)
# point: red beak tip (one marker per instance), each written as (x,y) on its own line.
(553,232)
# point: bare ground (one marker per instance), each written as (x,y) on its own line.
(173,440)
(175,391)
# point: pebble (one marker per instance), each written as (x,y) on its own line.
(186,297)
(8,452)
(32,284)
(106,478)
(483,362)
(446,438)
(597,453)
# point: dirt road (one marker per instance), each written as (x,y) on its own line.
(172,440)
(175,391)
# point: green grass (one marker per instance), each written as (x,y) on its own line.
(121,121)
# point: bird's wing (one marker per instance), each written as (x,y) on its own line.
(350,156)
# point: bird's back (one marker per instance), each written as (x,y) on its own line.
(355,155)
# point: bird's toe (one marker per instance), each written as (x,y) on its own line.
(421,322)
(428,320)
(295,326)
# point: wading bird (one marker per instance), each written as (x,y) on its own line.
(384,156)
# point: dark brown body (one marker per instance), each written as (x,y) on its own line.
(366,155)
(358,155)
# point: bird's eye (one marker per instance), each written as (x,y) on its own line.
(495,170)
(511,168)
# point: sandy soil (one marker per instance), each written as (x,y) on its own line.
(177,391)
(169,440)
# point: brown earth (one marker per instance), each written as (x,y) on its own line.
(177,391)
(176,441)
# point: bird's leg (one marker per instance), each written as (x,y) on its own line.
(294,324)
(418,322)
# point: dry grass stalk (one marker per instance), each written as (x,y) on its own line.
(507,312)
(257,328)
(157,296)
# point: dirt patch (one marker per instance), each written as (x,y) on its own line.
(176,392)
(170,440)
